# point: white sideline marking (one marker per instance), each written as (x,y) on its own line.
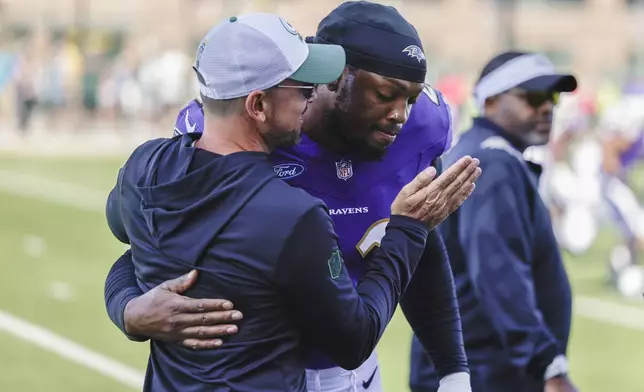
(87,199)
(609,312)
(74,352)
(52,191)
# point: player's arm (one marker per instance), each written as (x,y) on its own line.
(431,308)
(612,148)
(162,313)
(120,288)
(495,226)
(343,321)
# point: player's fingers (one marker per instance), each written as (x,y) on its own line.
(186,320)
(463,194)
(468,187)
(209,332)
(466,193)
(451,174)
(180,284)
(201,305)
(462,180)
(419,182)
(197,344)
(473,173)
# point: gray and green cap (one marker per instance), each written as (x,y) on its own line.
(258,51)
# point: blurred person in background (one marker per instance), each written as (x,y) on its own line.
(90,82)
(26,75)
(621,131)
(162,77)
(171,68)
(513,291)
(120,96)
(570,180)
(52,85)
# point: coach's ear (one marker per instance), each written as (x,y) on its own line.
(334,86)
(256,106)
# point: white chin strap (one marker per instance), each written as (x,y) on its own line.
(511,74)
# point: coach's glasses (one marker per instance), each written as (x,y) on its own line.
(536,98)
(307,91)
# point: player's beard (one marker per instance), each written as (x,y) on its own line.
(341,123)
(338,126)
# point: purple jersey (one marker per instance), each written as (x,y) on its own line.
(625,120)
(634,153)
(358,193)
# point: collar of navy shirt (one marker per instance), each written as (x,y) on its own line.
(486,123)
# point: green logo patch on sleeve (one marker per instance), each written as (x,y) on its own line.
(335,264)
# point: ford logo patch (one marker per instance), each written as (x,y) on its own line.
(286,171)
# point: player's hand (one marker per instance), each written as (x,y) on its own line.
(163,314)
(560,384)
(431,200)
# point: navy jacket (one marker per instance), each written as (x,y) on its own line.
(513,292)
(267,247)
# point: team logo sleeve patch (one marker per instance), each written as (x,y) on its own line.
(335,264)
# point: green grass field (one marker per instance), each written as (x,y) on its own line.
(54,257)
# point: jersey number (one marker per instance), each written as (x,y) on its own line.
(372,237)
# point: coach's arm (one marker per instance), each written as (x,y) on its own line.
(342,321)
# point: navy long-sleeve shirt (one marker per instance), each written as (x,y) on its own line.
(513,291)
(184,208)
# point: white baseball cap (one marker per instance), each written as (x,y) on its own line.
(258,51)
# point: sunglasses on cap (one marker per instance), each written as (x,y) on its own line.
(536,98)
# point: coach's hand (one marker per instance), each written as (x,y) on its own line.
(432,200)
(163,314)
(560,384)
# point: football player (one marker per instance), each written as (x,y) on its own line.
(621,130)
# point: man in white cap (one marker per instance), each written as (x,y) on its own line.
(513,291)
(213,202)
